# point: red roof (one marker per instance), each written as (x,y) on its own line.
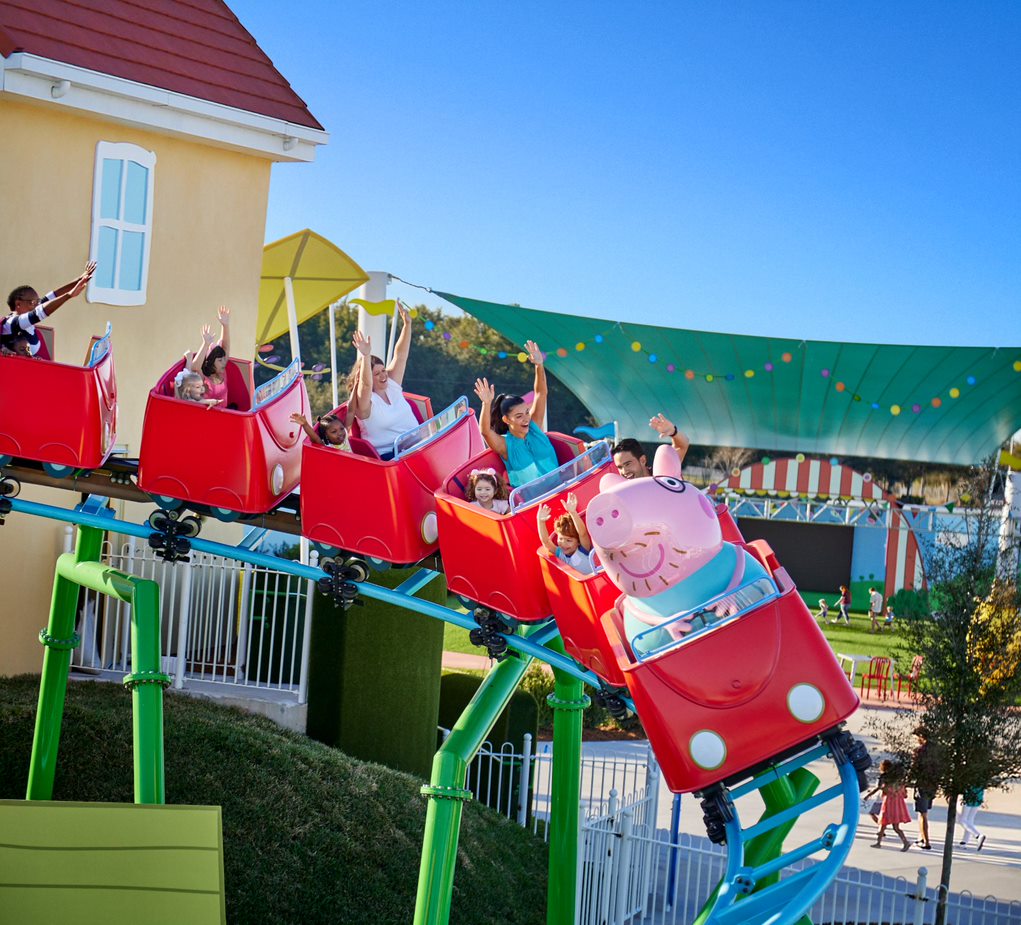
(194,47)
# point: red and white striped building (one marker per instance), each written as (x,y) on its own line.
(820,480)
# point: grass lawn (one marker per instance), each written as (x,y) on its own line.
(852,640)
(455,639)
(857,640)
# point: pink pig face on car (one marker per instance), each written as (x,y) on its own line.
(652,533)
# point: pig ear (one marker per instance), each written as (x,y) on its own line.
(609,480)
(666,462)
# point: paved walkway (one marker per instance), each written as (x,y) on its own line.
(995,871)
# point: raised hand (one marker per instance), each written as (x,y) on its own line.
(571,503)
(662,425)
(404,312)
(362,343)
(485,391)
(83,280)
(534,353)
(207,334)
(298,418)
(544,513)
(223,315)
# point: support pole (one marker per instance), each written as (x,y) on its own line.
(333,354)
(292,318)
(59,638)
(568,700)
(1007,558)
(446,791)
(374,326)
(146,682)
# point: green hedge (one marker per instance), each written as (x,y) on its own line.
(521,714)
(908,604)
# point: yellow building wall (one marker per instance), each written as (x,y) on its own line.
(209,216)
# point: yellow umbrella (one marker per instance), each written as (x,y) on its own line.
(317,272)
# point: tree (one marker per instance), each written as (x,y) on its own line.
(441,367)
(970,683)
(721,461)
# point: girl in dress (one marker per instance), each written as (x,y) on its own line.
(485,489)
(895,805)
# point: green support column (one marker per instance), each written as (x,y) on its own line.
(59,638)
(447,794)
(146,682)
(568,700)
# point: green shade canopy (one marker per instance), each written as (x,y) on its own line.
(933,404)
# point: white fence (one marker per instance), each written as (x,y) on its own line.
(631,872)
(496,777)
(629,875)
(224,624)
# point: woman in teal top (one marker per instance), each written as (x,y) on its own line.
(512,431)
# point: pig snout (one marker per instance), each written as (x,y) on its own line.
(608,522)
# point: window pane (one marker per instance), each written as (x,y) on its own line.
(132,245)
(107,259)
(135,193)
(110,196)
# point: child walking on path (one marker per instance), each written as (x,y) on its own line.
(971,802)
(894,811)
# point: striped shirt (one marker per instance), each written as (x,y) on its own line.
(15,326)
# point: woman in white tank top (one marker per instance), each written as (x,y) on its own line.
(377,398)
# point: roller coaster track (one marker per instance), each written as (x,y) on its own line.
(752,891)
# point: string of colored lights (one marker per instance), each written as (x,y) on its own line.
(916,407)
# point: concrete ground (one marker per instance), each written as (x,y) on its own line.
(995,871)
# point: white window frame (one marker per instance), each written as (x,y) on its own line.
(120,151)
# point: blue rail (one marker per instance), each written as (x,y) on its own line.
(403,596)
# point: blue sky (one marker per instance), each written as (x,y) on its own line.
(830,170)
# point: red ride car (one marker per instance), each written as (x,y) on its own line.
(490,558)
(71,420)
(244,458)
(386,510)
(756,680)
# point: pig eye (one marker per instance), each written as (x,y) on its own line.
(670,483)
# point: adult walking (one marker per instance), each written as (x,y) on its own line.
(843,603)
(512,428)
(926,773)
(875,609)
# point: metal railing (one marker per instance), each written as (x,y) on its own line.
(627,875)
(517,782)
(222,623)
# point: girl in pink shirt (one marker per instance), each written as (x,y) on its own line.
(212,359)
